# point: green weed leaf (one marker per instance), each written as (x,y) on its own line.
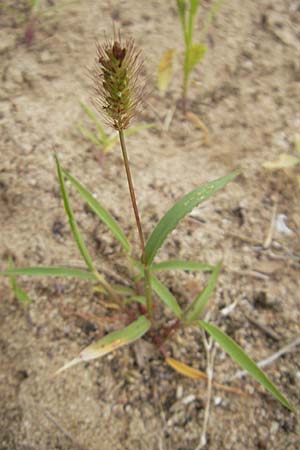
(179,211)
(161,290)
(75,230)
(165,295)
(100,211)
(49,272)
(195,54)
(195,309)
(111,342)
(194,4)
(177,264)
(181,6)
(240,357)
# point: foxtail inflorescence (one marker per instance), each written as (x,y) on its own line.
(116,80)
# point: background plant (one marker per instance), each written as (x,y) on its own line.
(194,51)
(119,94)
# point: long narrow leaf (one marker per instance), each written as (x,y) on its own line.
(92,115)
(91,136)
(177,264)
(240,357)
(194,4)
(179,211)
(75,230)
(111,342)
(100,211)
(50,272)
(161,290)
(165,295)
(195,309)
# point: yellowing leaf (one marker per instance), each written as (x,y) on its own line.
(285,161)
(110,342)
(195,374)
(186,370)
(165,70)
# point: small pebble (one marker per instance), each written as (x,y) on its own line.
(188,399)
(179,392)
(274,427)
(217,400)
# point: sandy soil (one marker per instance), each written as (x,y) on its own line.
(247,92)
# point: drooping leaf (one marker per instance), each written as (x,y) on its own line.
(75,230)
(195,55)
(100,211)
(165,70)
(194,310)
(284,161)
(179,211)
(111,342)
(240,357)
(165,295)
(177,264)
(50,272)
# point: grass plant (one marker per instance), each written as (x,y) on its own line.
(194,51)
(118,94)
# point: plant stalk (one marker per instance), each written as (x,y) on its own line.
(148,289)
(147,275)
(131,190)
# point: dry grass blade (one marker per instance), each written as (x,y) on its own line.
(195,374)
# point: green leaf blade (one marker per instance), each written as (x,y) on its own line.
(100,211)
(111,342)
(49,272)
(194,310)
(73,224)
(177,264)
(179,211)
(166,296)
(241,358)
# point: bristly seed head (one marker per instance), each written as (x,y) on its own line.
(117,87)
